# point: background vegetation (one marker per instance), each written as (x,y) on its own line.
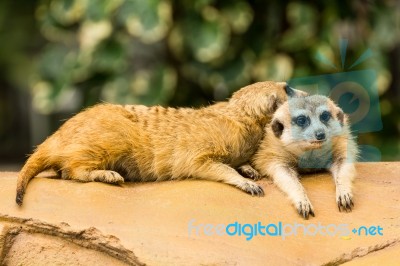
(58,56)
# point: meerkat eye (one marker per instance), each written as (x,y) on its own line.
(325,116)
(301,120)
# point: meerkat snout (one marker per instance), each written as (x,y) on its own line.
(320,134)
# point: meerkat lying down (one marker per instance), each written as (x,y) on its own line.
(113,143)
(307,134)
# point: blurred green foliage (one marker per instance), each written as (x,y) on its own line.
(133,51)
(193,52)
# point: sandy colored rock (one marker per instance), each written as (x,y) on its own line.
(148,223)
(390,256)
(37,249)
(32,242)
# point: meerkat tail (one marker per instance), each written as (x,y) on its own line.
(34,165)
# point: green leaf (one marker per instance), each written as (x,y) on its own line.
(148,20)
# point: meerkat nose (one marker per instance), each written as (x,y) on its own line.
(320,135)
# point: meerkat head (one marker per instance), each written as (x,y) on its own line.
(263,98)
(307,123)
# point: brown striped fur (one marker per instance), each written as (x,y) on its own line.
(114,143)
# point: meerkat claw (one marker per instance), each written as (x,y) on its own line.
(253,189)
(345,202)
(249,172)
(305,209)
(305,214)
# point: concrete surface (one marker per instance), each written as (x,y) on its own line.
(69,223)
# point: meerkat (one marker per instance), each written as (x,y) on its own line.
(115,143)
(307,134)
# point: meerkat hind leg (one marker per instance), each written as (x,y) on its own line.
(85,175)
(248,171)
(224,173)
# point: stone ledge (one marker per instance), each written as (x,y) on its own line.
(32,242)
(148,222)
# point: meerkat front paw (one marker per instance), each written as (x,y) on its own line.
(252,188)
(248,171)
(106,176)
(304,208)
(344,200)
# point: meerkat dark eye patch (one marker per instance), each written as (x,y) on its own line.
(325,116)
(301,120)
(277,128)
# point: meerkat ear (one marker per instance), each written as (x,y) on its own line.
(277,128)
(293,93)
(289,91)
(274,103)
(340,115)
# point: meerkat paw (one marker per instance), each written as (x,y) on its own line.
(344,200)
(304,208)
(252,188)
(248,171)
(106,176)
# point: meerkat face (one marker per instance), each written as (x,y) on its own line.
(265,97)
(307,123)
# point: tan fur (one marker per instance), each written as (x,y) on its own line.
(278,158)
(112,143)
